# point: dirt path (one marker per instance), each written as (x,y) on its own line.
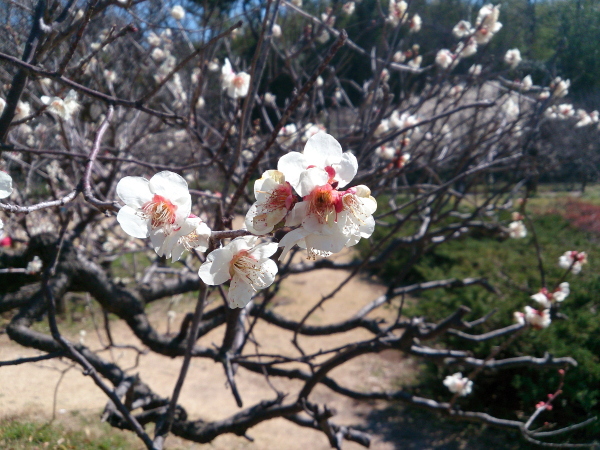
(205,394)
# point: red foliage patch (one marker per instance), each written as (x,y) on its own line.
(583,216)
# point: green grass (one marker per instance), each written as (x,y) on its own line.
(16,434)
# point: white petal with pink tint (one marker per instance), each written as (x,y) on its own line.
(5,185)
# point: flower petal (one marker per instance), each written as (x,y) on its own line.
(170,185)
(332,243)
(134,191)
(292,165)
(269,271)
(132,223)
(263,251)
(310,179)
(346,169)
(241,243)
(262,221)
(322,150)
(297,214)
(240,293)
(290,239)
(215,270)
(5,185)
(176,252)
(265,184)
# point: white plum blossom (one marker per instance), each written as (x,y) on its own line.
(487,23)
(475,70)
(462,29)
(310,129)
(457,384)
(274,199)
(196,75)
(5,189)
(403,120)
(562,292)
(386,152)
(161,202)
(22,110)
(560,87)
(464,50)
(416,62)
(62,108)
(526,83)
(328,18)
(236,84)
(565,110)
(538,319)
(287,134)
(399,57)
(323,37)
(415,24)
(517,229)
(444,58)
(456,91)
(356,217)
(573,260)
(328,219)
(397,12)
(513,57)
(348,8)
(213,66)
(158,54)
(338,95)
(246,264)
(153,39)
(546,298)
(276,31)
(110,76)
(382,128)
(5,184)
(323,152)
(586,119)
(562,111)
(319,81)
(34,266)
(178,13)
(192,234)
(270,99)
(2,105)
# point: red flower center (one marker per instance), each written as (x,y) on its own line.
(324,200)
(160,211)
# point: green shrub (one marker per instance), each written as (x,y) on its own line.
(511,266)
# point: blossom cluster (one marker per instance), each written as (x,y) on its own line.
(486,26)
(304,193)
(549,299)
(236,84)
(457,384)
